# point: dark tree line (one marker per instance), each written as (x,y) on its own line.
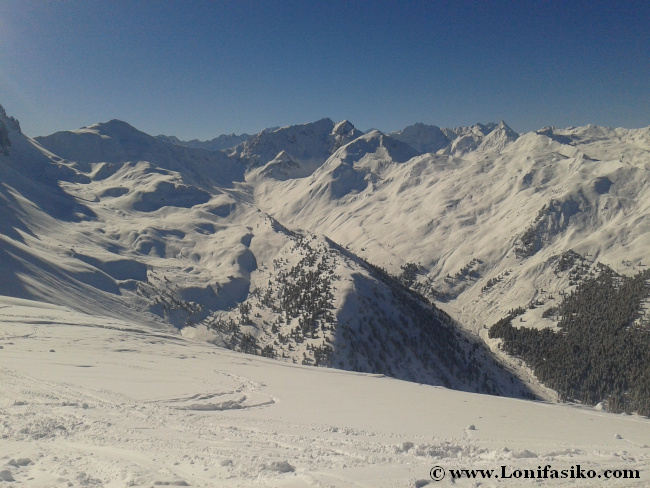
(602,350)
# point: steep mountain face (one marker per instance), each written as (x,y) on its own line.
(123,224)
(423,138)
(6,124)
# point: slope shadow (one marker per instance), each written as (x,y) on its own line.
(415,341)
(41,189)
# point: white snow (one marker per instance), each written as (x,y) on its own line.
(129,235)
(443,211)
(93,401)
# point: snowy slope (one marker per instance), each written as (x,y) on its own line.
(89,233)
(170,237)
(94,401)
(505,208)
(294,151)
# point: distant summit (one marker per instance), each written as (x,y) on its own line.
(224,141)
(460,140)
(423,138)
(219,143)
(112,141)
(296,150)
(492,136)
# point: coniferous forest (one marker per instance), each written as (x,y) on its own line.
(601,352)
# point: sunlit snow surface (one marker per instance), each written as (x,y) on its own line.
(92,401)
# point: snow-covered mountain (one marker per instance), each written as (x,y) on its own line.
(458,141)
(105,147)
(423,138)
(480,226)
(318,244)
(172,235)
(224,141)
(466,220)
(295,151)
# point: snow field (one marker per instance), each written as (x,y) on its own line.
(93,401)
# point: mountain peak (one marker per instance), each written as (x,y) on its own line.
(7,124)
(376,146)
(112,141)
(117,123)
(342,127)
(423,138)
(307,146)
(115,128)
(502,125)
(11,122)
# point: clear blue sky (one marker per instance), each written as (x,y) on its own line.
(198,69)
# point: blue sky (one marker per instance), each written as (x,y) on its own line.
(198,69)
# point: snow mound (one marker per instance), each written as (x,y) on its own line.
(165,193)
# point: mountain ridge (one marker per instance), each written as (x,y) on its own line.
(165,241)
(474,228)
(219,143)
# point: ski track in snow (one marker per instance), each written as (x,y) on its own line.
(118,404)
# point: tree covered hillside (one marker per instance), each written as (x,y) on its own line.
(601,352)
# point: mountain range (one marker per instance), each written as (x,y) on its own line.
(322,245)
